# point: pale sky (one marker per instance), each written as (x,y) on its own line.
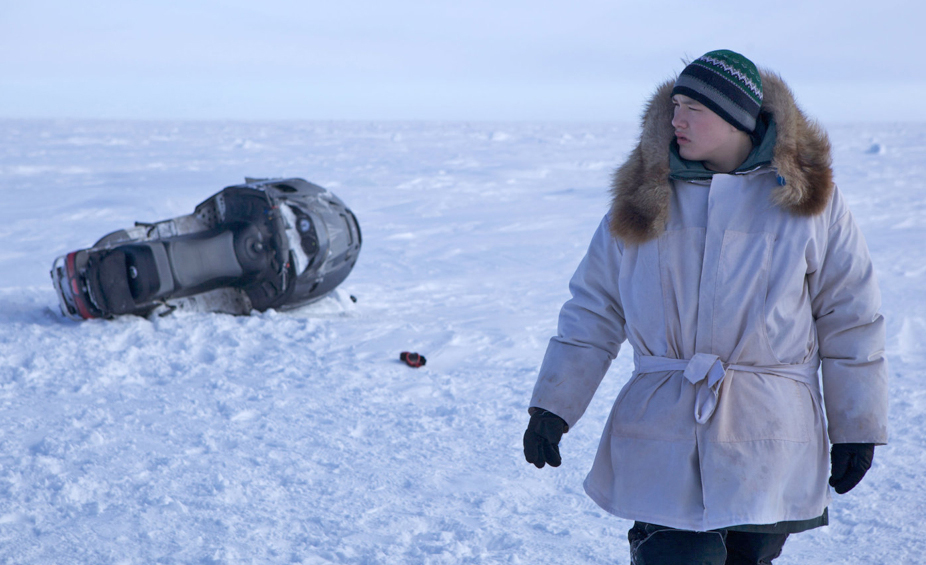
(596,60)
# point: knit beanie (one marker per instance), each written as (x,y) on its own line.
(727,83)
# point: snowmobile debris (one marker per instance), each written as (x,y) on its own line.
(267,243)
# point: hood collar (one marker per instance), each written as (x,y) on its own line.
(794,145)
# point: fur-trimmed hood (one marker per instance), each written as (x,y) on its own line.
(640,190)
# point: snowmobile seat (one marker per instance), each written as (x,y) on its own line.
(196,260)
(208,260)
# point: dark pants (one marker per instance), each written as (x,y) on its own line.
(658,545)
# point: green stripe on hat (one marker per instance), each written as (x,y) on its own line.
(736,68)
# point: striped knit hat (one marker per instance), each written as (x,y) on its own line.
(727,83)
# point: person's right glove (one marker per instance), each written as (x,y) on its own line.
(849,462)
(541,440)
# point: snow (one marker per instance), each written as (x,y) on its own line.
(299,437)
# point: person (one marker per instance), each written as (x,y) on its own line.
(732,265)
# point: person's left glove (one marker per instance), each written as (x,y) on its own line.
(541,440)
(849,463)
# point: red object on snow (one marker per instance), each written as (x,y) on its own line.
(412,359)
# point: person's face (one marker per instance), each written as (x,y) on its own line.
(704,136)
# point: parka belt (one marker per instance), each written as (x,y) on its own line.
(706,372)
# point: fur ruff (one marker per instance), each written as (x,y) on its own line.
(640,189)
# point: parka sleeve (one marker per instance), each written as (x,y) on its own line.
(590,333)
(846,305)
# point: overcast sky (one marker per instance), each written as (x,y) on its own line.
(846,61)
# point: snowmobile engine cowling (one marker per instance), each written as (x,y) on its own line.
(267,243)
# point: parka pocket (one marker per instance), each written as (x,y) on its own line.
(655,406)
(757,407)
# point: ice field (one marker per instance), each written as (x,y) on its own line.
(298,436)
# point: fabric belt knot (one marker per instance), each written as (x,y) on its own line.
(707,372)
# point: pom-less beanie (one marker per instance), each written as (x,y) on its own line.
(727,83)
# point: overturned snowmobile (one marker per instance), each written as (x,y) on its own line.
(268,243)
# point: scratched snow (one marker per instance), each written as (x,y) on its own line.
(298,437)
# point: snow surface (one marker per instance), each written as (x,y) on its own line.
(298,437)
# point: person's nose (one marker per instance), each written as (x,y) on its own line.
(678,118)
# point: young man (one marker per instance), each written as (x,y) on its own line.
(731,264)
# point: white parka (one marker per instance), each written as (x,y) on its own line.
(732,292)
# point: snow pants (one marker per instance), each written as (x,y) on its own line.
(659,545)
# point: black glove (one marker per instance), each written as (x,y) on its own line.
(850,462)
(541,440)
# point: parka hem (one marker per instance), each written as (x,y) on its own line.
(783,525)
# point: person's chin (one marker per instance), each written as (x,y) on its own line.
(687,154)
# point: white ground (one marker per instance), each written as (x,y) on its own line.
(299,437)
